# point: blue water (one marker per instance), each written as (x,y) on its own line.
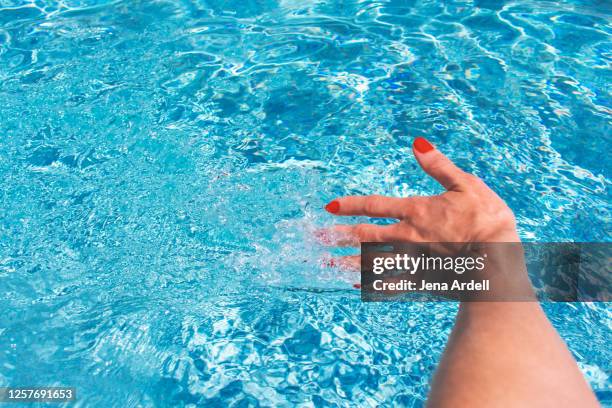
(163,165)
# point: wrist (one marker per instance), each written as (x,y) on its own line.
(505,270)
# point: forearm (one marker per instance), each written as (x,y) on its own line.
(507,354)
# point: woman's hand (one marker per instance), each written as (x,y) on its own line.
(467,212)
(510,338)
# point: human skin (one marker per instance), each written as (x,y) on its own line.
(499,354)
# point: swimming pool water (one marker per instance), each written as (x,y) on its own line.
(164,163)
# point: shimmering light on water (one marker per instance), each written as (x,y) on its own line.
(164,162)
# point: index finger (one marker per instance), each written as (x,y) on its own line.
(370,206)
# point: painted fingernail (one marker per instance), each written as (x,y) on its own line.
(333,207)
(421,145)
(329,263)
(357,285)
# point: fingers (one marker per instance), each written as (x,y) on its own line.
(349,263)
(438,165)
(354,235)
(371,206)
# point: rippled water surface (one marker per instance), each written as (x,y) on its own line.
(164,163)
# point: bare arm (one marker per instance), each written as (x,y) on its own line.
(507,354)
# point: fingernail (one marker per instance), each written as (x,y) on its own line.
(333,207)
(329,263)
(357,285)
(421,145)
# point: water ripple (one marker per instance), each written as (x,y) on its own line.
(165,164)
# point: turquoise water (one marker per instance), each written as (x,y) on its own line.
(164,163)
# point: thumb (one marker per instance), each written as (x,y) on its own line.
(437,165)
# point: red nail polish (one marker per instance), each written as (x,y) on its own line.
(333,207)
(421,145)
(329,263)
(357,285)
